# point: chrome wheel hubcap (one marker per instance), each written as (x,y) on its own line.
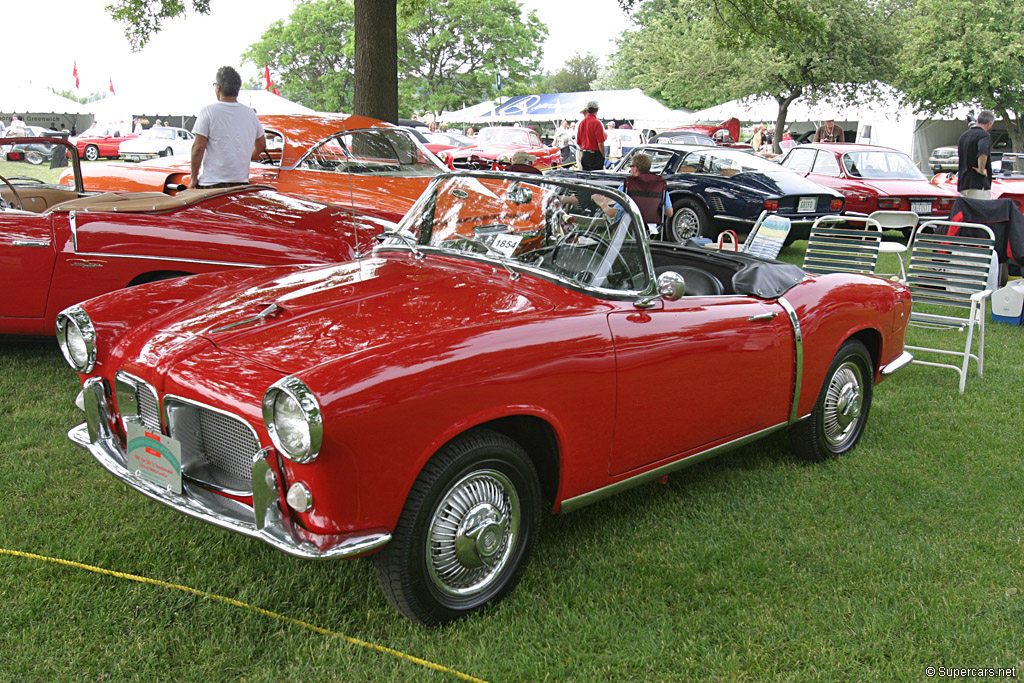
(685,225)
(472,533)
(844,402)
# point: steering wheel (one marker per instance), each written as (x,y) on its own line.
(615,275)
(14,191)
(265,157)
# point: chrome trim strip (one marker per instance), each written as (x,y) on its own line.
(233,264)
(798,357)
(137,384)
(902,361)
(732,219)
(73,220)
(30,243)
(619,486)
(196,501)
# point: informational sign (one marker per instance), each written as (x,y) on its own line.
(154,457)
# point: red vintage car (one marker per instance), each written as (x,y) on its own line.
(102,140)
(496,145)
(871,178)
(1007,179)
(385,177)
(60,245)
(724,134)
(517,343)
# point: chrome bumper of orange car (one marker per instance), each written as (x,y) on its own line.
(95,436)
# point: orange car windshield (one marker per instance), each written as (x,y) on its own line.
(379,152)
(577,233)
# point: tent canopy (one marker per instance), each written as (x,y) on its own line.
(613,104)
(39,107)
(184,104)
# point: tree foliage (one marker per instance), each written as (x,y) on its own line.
(698,53)
(143,19)
(963,51)
(578,75)
(312,55)
(450,52)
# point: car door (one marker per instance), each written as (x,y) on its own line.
(27,255)
(800,160)
(697,372)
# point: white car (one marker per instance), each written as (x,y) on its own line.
(158,141)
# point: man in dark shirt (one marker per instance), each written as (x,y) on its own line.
(590,137)
(974,176)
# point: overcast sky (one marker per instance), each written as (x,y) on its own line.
(43,42)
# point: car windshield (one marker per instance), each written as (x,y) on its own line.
(724,161)
(158,134)
(504,136)
(881,164)
(381,152)
(581,234)
(34,170)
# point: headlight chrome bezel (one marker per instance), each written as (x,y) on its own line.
(74,321)
(297,391)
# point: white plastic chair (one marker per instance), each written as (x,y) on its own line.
(896,220)
(951,272)
(836,247)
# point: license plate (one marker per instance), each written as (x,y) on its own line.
(807,205)
(154,457)
(921,207)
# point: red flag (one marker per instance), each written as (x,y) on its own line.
(75,74)
(112,87)
(266,75)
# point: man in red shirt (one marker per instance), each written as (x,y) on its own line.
(590,137)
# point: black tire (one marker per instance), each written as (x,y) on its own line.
(167,152)
(841,411)
(92,153)
(466,531)
(689,219)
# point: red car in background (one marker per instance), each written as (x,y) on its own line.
(872,178)
(60,245)
(312,156)
(103,140)
(724,134)
(497,144)
(1007,179)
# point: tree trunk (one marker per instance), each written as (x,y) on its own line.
(780,121)
(376,63)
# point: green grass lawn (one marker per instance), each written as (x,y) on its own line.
(907,553)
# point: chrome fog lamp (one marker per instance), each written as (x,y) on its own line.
(291,414)
(299,498)
(77,338)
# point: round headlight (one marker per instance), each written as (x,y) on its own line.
(77,338)
(292,416)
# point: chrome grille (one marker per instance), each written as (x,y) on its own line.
(216,448)
(136,398)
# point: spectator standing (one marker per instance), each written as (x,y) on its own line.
(228,137)
(563,141)
(17,128)
(829,132)
(470,133)
(590,136)
(974,174)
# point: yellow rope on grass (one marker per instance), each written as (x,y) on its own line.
(236,603)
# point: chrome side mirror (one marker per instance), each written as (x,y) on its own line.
(671,285)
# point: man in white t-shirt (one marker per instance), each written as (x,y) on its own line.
(228,137)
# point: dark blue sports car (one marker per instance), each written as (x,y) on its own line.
(712,189)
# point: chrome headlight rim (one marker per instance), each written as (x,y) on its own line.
(303,396)
(75,321)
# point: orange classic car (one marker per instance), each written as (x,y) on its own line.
(309,156)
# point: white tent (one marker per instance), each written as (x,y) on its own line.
(613,104)
(881,120)
(39,107)
(181,107)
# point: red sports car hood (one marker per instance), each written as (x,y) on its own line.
(902,188)
(312,315)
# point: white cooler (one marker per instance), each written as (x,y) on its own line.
(1008,303)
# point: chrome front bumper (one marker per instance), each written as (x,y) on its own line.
(902,361)
(94,435)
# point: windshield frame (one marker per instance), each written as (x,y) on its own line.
(852,169)
(429,157)
(413,242)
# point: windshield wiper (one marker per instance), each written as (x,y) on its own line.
(491,250)
(410,243)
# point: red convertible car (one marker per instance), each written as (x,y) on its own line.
(389,169)
(60,245)
(871,178)
(1007,179)
(496,145)
(513,345)
(102,141)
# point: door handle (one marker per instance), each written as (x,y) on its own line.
(31,243)
(763,316)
